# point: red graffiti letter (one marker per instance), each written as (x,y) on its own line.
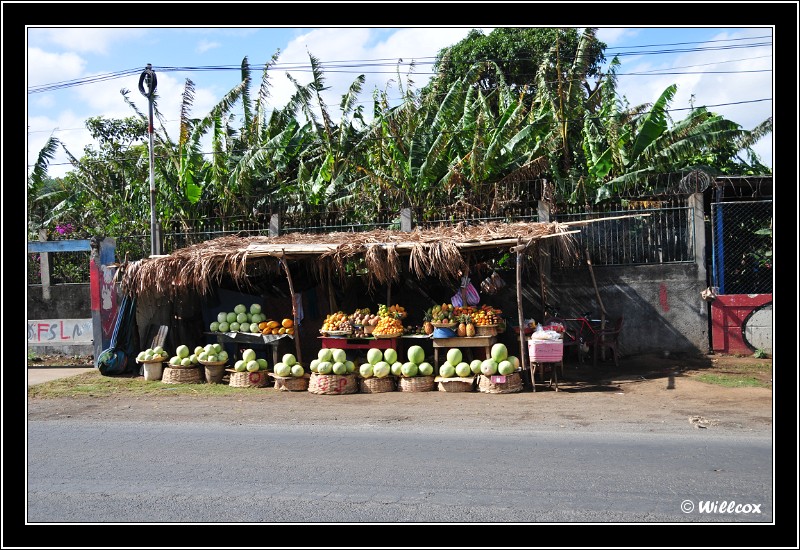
(662,297)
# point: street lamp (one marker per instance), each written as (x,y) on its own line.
(148,79)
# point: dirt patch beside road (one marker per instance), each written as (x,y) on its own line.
(646,393)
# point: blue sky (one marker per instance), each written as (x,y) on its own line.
(729,70)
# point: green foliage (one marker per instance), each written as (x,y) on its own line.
(515,105)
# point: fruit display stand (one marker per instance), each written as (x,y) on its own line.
(416,383)
(374,384)
(498,383)
(251,339)
(359,343)
(291,383)
(181,375)
(332,384)
(245,379)
(484,342)
(546,354)
(153,370)
(455,384)
(215,371)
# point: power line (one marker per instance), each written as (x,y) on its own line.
(331,66)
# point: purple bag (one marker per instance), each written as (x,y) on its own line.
(473,298)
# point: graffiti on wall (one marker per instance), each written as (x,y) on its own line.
(60,331)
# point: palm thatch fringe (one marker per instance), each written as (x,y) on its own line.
(441,252)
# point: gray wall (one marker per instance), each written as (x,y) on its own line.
(661,304)
(67,301)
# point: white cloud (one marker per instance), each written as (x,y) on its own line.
(46,67)
(614,35)
(205,45)
(338,44)
(88,39)
(717,79)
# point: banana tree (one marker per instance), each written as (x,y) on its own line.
(649,146)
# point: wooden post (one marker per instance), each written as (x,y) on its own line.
(296,334)
(521,318)
(463,290)
(599,301)
(331,296)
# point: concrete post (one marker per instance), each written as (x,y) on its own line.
(405,220)
(44,267)
(697,229)
(545,264)
(275,225)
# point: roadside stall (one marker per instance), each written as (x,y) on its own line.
(382,259)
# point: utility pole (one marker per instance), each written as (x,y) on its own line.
(148,79)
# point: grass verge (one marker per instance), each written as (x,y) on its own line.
(94,384)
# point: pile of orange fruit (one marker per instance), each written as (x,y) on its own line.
(286,326)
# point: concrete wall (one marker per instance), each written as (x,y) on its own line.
(67,301)
(661,304)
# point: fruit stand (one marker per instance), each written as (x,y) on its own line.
(378,258)
(248,340)
(358,343)
(483,342)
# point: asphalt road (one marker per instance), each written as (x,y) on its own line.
(280,473)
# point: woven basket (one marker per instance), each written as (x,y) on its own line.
(444,325)
(184,375)
(377,385)
(455,385)
(416,383)
(291,383)
(486,330)
(389,335)
(513,384)
(332,384)
(214,373)
(257,379)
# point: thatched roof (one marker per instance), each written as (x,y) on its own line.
(436,252)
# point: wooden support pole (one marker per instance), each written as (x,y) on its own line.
(599,301)
(296,335)
(522,355)
(331,297)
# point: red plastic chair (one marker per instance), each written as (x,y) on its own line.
(606,339)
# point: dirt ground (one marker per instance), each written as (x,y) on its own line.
(645,393)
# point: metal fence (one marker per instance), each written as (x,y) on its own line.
(741,233)
(664,233)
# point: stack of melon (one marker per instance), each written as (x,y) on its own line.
(415,366)
(332,361)
(498,362)
(250,321)
(249,362)
(380,363)
(288,366)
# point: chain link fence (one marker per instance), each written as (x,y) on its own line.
(741,234)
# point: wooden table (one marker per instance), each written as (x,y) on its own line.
(485,342)
(359,343)
(245,340)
